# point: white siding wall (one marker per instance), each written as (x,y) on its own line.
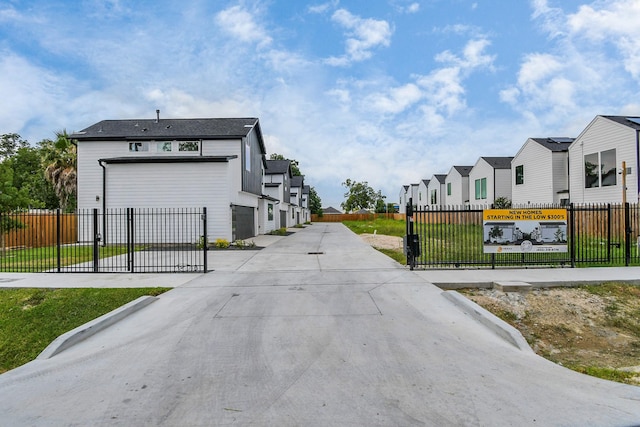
(434,184)
(481,170)
(402,201)
(459,188)
(502,185)
(603,134)
(180,185)
(538,185)
(423,196)
(560,173)
(90,172)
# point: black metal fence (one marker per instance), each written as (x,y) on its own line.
(596,235)
(118,240)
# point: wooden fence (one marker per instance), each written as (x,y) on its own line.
(40,230)
(355,217)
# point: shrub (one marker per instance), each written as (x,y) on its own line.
(243,244)
(222,243)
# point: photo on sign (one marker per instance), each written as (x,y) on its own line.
(516,232)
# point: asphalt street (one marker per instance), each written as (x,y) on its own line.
(317,329)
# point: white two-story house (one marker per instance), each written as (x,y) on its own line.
(540,172)
(596,160)
(215,163)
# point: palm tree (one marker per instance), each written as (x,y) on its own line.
(59,161)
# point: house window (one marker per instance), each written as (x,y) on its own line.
(448,188)
(270,211)
(600,169)
(434,197)
(247,156)
(138,146)
(481,188)
(189,146)
(164,146)
(520,175)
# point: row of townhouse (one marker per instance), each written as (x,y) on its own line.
(217,163)
(545,171)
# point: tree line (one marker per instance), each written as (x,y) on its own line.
(37,177)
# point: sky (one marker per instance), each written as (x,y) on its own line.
(384,91)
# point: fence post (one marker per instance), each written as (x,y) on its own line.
(205,239)
(572,230)
(609,219)
(130,241)
(408,239)
(96,240)
(58,241)
(627,235)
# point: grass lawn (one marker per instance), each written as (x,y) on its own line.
(30,319)
(447,245)
(386,226)
(46,258)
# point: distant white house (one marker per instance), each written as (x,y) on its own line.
(423,194)
(277,184)
(489,179)
(540,172)
(403,198)
(596,157)
(436,190)
(457,186)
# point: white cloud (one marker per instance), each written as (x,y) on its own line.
(239,23)
(363,35)
(395,100)
(323,7)
(580,75)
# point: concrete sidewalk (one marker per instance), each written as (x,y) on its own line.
(317,329)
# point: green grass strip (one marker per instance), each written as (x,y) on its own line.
(30,319)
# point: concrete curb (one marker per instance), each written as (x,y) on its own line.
(82,332)
(494,323)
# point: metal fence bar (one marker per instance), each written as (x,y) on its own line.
(597,234)
(118,240)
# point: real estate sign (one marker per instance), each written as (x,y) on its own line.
(524,230)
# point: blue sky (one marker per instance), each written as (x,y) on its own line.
(385,91)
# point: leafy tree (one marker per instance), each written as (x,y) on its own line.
(10,143)
(315,204)
(360,195)
(11,198)
(28,173)
(502,203)
(381,207)
(59,161)
(295,170)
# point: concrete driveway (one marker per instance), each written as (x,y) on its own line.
(317,329)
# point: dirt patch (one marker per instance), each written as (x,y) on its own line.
(577,327)
(381,241)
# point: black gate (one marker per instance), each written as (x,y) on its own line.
(118,240)
(452,237)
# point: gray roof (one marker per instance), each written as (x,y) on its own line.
(463,170)
(330,210)
(499,162)
(297,181)
(426,182)
(170,129)
(624,120)
(441,178)
(278,167)
(554,143)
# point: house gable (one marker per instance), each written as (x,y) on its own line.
(539,172)
(457,186)
(595,160)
